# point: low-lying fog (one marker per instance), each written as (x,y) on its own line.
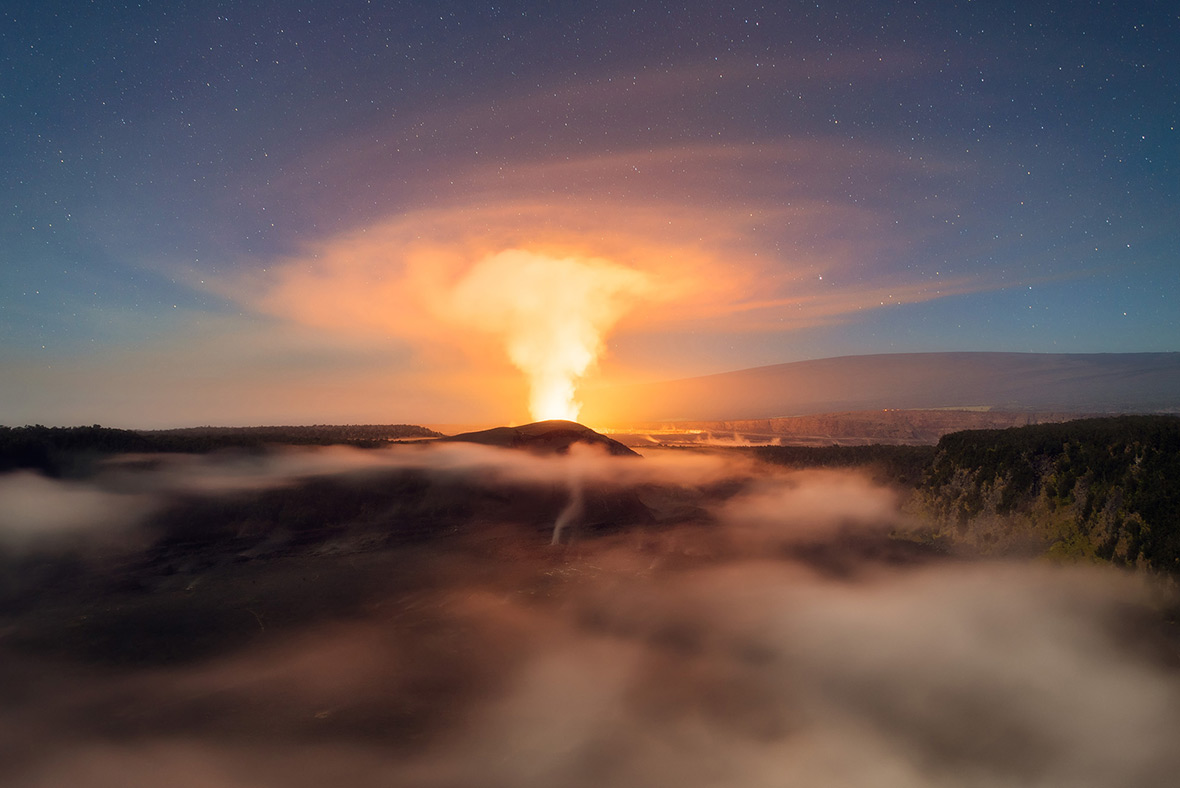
(746,637)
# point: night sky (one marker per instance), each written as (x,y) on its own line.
(236,213)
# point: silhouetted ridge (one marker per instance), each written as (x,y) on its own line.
(553,436)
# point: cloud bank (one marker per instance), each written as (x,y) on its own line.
(706,651)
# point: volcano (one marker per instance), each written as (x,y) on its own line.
(545,437)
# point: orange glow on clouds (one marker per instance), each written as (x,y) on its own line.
(496,281)
(477,290)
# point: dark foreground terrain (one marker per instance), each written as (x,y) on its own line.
(305,616)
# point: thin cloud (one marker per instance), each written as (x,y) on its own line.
(40,515)
(705,653)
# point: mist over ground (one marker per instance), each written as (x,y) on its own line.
(335,616)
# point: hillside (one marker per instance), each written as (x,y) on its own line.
(1099,489)
(552,436)
(1068,383)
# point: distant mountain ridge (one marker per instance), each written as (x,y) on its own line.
(1062,382)
(891,426)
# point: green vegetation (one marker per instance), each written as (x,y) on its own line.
(1104,489)
(1095,489)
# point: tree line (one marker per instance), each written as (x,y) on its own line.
(1105,489)
(58,451)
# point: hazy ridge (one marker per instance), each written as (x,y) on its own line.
(857,428)
(1081,383)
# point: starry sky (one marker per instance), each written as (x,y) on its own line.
(248,213)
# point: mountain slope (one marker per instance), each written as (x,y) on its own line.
(1077,383)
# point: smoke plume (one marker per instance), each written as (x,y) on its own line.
(553,314)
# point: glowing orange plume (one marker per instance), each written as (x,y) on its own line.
(553,314)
